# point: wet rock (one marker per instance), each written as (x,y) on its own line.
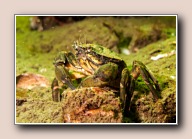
(91,105)
(30,80)
(145,110)
(41,23)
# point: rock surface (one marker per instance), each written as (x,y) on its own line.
(91,105)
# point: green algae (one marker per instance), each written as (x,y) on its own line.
(39,111)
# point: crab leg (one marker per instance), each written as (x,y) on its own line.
(130,90)
(55,90)
(140,69)
(124,82)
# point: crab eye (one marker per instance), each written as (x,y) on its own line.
(88,50)
(75,45)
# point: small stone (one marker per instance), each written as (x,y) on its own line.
(29,81)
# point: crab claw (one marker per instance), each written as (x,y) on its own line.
(63,75)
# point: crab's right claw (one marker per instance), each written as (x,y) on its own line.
(63,75)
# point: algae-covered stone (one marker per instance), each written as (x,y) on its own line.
(145,110)
(91,105)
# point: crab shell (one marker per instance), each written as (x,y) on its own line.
(94,55)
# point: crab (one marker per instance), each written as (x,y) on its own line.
(93,65)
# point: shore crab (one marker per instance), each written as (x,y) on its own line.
(97,66)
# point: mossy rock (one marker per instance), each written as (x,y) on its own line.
(91,105)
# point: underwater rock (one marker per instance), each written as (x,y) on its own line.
(30,80)
(91,105)
(144,110)
(41,23)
